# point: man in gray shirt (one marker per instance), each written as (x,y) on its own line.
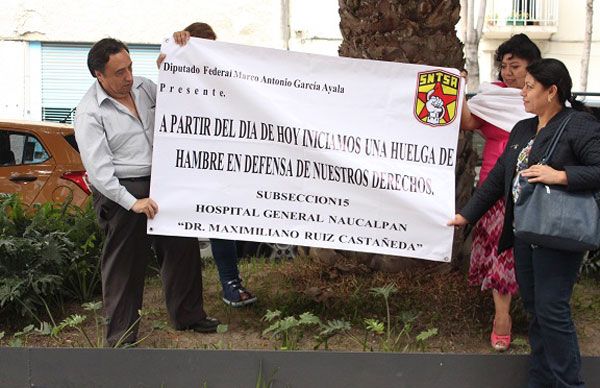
(114,126)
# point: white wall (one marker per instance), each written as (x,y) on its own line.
(567,44)
(139,21)
(314,26)
(12,79)
(252,22)
(571,23)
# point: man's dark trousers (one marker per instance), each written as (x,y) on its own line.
(124,260)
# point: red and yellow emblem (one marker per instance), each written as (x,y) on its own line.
(436,99)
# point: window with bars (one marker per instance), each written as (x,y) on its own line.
(58,115)
(522,12)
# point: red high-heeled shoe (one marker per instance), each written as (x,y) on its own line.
(500,343)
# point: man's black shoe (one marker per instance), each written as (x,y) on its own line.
(207,325)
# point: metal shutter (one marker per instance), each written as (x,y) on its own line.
(66,78)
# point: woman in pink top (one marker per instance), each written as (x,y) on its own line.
(494,111)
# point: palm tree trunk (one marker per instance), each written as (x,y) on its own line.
(402,31)
(408,31)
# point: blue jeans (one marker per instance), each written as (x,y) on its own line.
(546,278)
(226,259)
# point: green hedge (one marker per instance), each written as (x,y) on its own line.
(49,254)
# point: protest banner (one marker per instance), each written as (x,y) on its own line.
(268,145)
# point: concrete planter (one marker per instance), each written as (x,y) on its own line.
(47,367)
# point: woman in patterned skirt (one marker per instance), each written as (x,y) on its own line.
(494,111)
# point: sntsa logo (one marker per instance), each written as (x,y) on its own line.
(435,102)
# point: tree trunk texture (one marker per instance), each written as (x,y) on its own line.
(587,44)
(421,32)
(402,31)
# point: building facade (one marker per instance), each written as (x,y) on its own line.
(557,26)
(44,43)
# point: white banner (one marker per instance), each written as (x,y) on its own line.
(268,145)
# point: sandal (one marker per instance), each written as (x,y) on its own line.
(235,295)
(500,343)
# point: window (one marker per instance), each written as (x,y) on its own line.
(522,13)
(72,142)
(7,155)
(524,9)
(66,78)
(16,149)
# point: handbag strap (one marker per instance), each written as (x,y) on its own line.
(552,146)
(555,139)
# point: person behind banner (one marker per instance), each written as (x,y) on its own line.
(545,276)
(114,125)
(224,251)
(494,111)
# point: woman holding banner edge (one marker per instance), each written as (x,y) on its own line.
(224,251)
(494,111)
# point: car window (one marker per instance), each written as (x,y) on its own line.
(72,142)
(16,149)
(33,151)
(8,150)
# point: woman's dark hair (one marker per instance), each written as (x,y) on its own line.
(100,53)
(550,71)
(201,30)
(519,46)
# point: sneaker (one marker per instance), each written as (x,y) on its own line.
(235,295)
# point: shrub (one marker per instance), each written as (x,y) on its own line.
(48,254)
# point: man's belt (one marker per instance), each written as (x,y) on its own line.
(136,179)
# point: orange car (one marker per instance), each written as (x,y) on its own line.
(40,161)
